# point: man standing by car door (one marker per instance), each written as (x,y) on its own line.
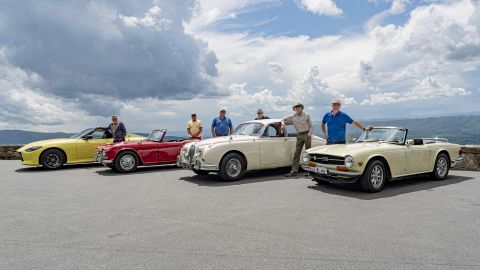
(222,125)
(304,127)
(117,129)
(335,122)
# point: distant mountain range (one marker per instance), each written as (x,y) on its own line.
(457,129)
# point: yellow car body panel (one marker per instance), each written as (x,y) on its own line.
(76,150)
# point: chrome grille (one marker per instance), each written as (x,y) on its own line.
(191,153)
(327,159)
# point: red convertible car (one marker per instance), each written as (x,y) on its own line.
(127,156)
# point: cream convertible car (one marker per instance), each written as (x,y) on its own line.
(254,145)
(379,155)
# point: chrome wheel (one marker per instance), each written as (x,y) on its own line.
(234,167)
(377,176)
(442,166)
(127,162)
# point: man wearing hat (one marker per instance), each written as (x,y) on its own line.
(221,125)
(194,128)
(336,121)
(304,127)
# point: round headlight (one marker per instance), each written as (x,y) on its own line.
(306,158)
(349,161)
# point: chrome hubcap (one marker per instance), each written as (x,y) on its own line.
(234,167)
(376,177)
(53,160)
(442,167)
(127,162)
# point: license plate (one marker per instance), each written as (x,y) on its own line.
(320,170)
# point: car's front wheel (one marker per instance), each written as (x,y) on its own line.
(442,167)
(374,177)
(232,167)
(52,159)
(126,162)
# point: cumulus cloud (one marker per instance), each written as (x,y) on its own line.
(321,7)
(121,49)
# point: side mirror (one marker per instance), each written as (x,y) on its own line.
(354,140)
(88,137)
(407,143)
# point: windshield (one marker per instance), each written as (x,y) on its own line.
(249,129)
(390,135)
(156,135)
(82,133)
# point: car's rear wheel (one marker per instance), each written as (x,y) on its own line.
(200,172)
(232,167)
(442,167)
(374,177)
(52,159)
(126,162)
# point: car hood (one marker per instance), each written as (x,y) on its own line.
(224,139)
(347,149)
(46,143)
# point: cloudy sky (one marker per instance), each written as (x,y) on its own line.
(67,65)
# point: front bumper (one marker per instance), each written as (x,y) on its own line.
(195,165)
(455,162)
(331,175)
(100,158)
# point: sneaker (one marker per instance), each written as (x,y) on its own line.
(290,174)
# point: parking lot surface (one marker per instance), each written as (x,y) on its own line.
(88,217)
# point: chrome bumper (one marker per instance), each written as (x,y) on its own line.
(195,165)
(100,159)
(333,176)
(455,162)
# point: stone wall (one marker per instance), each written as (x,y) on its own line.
(471,154)
(8,151)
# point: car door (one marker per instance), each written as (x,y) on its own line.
(148,151)
(418,158)
(168,151)
(274,148)
(86,148)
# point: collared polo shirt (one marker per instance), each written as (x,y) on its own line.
(336,126)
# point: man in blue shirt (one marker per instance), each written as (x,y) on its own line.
(221,126)
(336,124)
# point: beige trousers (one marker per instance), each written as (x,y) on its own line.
(302,139)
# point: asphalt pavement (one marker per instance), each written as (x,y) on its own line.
(88,217)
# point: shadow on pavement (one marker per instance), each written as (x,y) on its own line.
(140,170)
(214,180)
(391,189)
(64,168)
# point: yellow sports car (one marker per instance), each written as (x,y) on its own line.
(80,148)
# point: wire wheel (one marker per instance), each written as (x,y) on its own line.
(127,162)
(234,167)
(442,166)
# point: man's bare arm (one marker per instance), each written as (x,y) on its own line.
(213,132)
(324,130)
(358,125)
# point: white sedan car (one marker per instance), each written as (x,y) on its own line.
(254,145)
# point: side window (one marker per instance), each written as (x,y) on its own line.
(270,132)
(98,134)
(291,131)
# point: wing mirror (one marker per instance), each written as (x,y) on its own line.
(87,137)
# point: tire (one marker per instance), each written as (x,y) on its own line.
(52,159)
(442,167)
(199,172)
(232,167)
(374,177)
(126,162)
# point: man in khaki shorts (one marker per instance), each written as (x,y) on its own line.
(304,127)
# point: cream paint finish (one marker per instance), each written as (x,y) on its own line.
(402,159)
(260,152)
